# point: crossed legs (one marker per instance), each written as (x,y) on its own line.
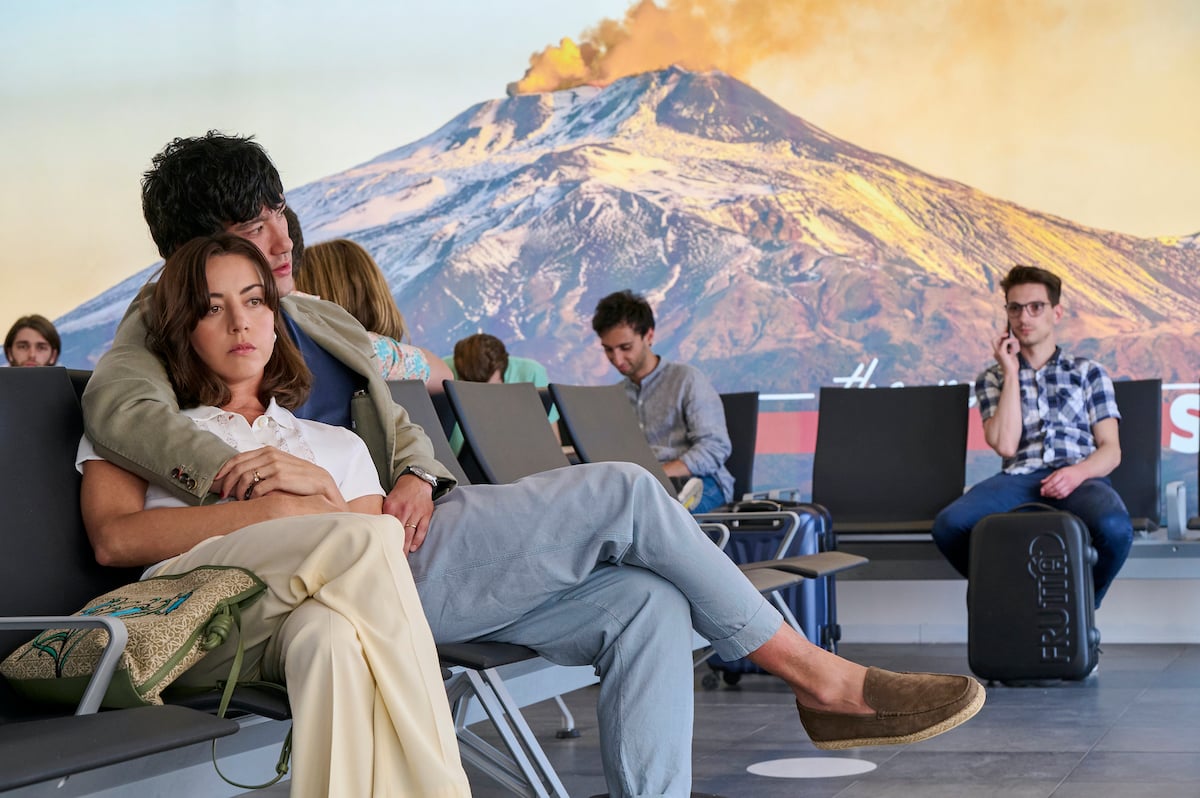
(598,565)
(342,623)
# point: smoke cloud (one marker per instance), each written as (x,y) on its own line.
(736,36)
(1075,107)
(699,35)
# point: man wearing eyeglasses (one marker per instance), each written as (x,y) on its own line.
(1053,419)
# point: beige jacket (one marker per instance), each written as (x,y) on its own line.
(131,415)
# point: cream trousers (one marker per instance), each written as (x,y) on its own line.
(342,626)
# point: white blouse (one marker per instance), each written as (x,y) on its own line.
(339,451)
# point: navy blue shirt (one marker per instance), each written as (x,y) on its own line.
(333,384)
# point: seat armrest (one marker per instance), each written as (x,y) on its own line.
(40,751)
(768,580)
(718,532)
(824,563)
(776,494)
(786,520)
(118,636)
(479,656)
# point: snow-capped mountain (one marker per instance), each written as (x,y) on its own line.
(777,255)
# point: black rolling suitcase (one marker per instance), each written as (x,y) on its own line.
(1030,599)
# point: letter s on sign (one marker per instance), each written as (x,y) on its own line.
(1185,423)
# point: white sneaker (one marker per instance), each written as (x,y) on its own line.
(691,493)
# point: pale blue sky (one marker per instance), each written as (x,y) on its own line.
(1083,108)
(89,91)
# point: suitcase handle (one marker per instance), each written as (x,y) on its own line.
(1040,506)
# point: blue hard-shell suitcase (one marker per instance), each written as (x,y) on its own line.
(810,601)
(1030,598)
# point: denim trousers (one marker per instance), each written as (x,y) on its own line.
(1094,501)
(597,565)
(712,498)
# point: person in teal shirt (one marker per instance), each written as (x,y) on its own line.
(483,358)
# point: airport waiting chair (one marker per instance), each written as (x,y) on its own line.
(506,428)
(1138,479)
(79,380)
(741,420)
(53,538)
(48,572)
(604,428)
(267,700)
(523,766)
(414,397)
(506,433)
(445,415)
(888,460)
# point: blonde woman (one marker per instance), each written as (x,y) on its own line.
(341,271)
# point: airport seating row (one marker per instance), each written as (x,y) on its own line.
(888,460)
(50,572)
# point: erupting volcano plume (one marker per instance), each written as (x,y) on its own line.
(1021,98)
(730,35)
(740,36)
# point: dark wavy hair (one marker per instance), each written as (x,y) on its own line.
(199,186)
(623,307)
(477,357)
(180,299)
(1022,275)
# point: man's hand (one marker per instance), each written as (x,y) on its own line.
(1063,482)
(1005,350)
(676,468)
(411,501)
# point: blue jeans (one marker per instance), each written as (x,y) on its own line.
(595,564)
(712,498)
(1094,501)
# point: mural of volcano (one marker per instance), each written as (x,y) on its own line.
(778,256)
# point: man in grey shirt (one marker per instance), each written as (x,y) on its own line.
(679,410)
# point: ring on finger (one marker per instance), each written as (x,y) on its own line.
(257,478)
(410,526)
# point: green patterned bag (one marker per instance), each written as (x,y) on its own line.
(173,621)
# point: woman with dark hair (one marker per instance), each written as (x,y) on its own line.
(32,341)
(341,624)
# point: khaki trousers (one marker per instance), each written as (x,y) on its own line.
(342,626)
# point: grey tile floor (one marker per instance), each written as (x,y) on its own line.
(1130,731)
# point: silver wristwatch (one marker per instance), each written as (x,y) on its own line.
(422,474)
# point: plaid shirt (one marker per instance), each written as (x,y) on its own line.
(1060,404)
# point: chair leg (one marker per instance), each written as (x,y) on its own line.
(568,730)
(832,633)
(524,769)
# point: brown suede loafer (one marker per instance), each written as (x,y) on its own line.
(909,707)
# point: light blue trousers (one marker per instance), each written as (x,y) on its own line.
(595,564)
